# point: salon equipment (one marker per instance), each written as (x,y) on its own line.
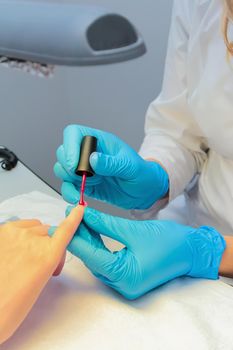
(19,181)
(84,169)
(44,34)
(88,146)
(8,160)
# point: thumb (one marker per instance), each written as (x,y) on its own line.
(106,165)
(98,259)
(66,230)
(111,226)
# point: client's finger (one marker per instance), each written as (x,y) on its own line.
(60,266)
(66,230)
(41,230)
(26,223)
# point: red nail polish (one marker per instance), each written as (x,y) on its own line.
(82,190)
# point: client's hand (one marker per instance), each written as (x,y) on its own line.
(28,258)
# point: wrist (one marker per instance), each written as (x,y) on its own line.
(154,184)
(226,265)
(157,162)
(160,178)
(207,247)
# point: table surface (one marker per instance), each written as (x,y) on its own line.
(76,311)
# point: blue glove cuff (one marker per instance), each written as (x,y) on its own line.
(159,182)
(207,246)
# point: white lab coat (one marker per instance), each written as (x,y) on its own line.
(194,113)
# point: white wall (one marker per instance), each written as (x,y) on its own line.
(115,98)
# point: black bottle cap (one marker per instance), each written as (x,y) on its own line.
(88,146)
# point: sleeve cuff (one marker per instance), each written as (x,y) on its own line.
(178,162)
(207,246)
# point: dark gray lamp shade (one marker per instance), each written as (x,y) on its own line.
(66,34)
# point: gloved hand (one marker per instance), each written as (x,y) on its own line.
(122,177)
(155,252)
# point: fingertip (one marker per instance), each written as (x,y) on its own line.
(94,159)
(67,128)
(56,169)
(71,141)
(59,152)
(52,230)
(76,215)
(71,162)
(78,210)
(104,164)
(68,210)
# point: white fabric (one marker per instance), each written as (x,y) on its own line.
(34,205)
(194,112)
(75,311)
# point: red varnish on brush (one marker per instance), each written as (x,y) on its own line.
(82,190)
(84,169)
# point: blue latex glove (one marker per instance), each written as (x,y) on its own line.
(155,252)
(122,177)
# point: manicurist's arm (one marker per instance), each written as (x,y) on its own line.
(226,266)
